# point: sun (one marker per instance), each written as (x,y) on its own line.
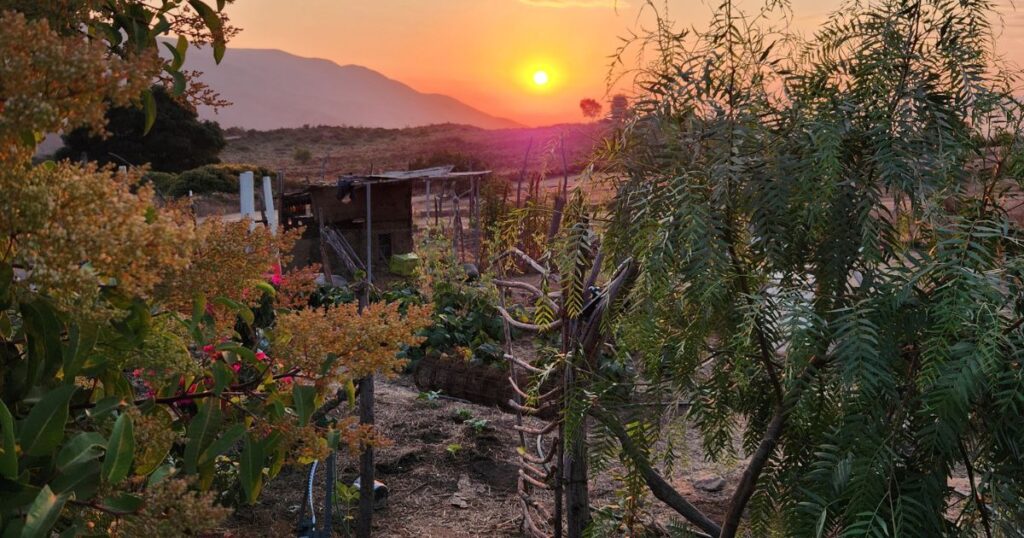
(540,78)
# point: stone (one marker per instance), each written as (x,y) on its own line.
(710,483)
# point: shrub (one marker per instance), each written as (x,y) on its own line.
(165,183)
(302,155)
(214,178)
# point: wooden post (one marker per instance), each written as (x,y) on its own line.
(325,262)
(565,170)
(429,202)
(282,214)
(366,471)
(522,173)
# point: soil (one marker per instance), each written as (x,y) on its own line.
(437,464)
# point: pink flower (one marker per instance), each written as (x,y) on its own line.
(275,275)
(211,351)
(261,356)
(287,380)
(236,367)
(137,372)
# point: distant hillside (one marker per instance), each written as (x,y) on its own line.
(338,150)
(273,89)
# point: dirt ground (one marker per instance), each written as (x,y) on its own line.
(447,480)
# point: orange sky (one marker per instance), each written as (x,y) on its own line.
(484,52)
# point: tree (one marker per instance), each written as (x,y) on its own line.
(590,108)
(135,344)
(829,273)
(177,142)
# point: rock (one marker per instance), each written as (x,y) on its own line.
(467,491)
(709,483)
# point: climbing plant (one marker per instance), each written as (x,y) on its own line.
(830,271)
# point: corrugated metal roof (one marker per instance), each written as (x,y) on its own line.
(437,172)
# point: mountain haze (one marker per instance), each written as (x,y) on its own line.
(272,89)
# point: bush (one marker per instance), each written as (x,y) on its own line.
(164,182)
(302,155)
(214,178)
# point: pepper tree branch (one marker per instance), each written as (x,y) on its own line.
(659,487)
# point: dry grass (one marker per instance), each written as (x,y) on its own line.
(339,150)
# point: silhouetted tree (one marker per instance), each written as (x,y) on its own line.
(590,108)
(177,142)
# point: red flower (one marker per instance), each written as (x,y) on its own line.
(261,356)
(274,276)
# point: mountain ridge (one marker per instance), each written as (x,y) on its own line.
(273,88)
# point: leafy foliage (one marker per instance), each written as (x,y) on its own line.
(134,373)
(178,141)
(829,268)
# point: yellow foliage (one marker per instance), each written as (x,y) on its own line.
(227,260)
(75,229)
(364,344)
(50,82)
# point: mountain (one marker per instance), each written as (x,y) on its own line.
(272,89)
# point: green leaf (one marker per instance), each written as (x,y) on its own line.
(106,406)
(350,392)
(125,503)
(160,474)
(153,452)
(200,431)
(42,331)
(222,377)
(177,56)
(120,450)
(9,454)
(82,448)
(149,107)
(213,23)
(266,287)
(302,398)
(80,342)
(250,469)
(222,444)
(219,48)
(43,514)
(198,307)
(179,83)
(43,428)
(82,480)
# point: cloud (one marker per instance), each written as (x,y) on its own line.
(577,3)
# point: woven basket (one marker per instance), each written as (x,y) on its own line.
(481,384)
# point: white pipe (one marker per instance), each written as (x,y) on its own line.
(268,202)
(246,186)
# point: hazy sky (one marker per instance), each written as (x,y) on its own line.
(485,52)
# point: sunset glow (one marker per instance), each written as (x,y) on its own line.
(490,62)
(540,78)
